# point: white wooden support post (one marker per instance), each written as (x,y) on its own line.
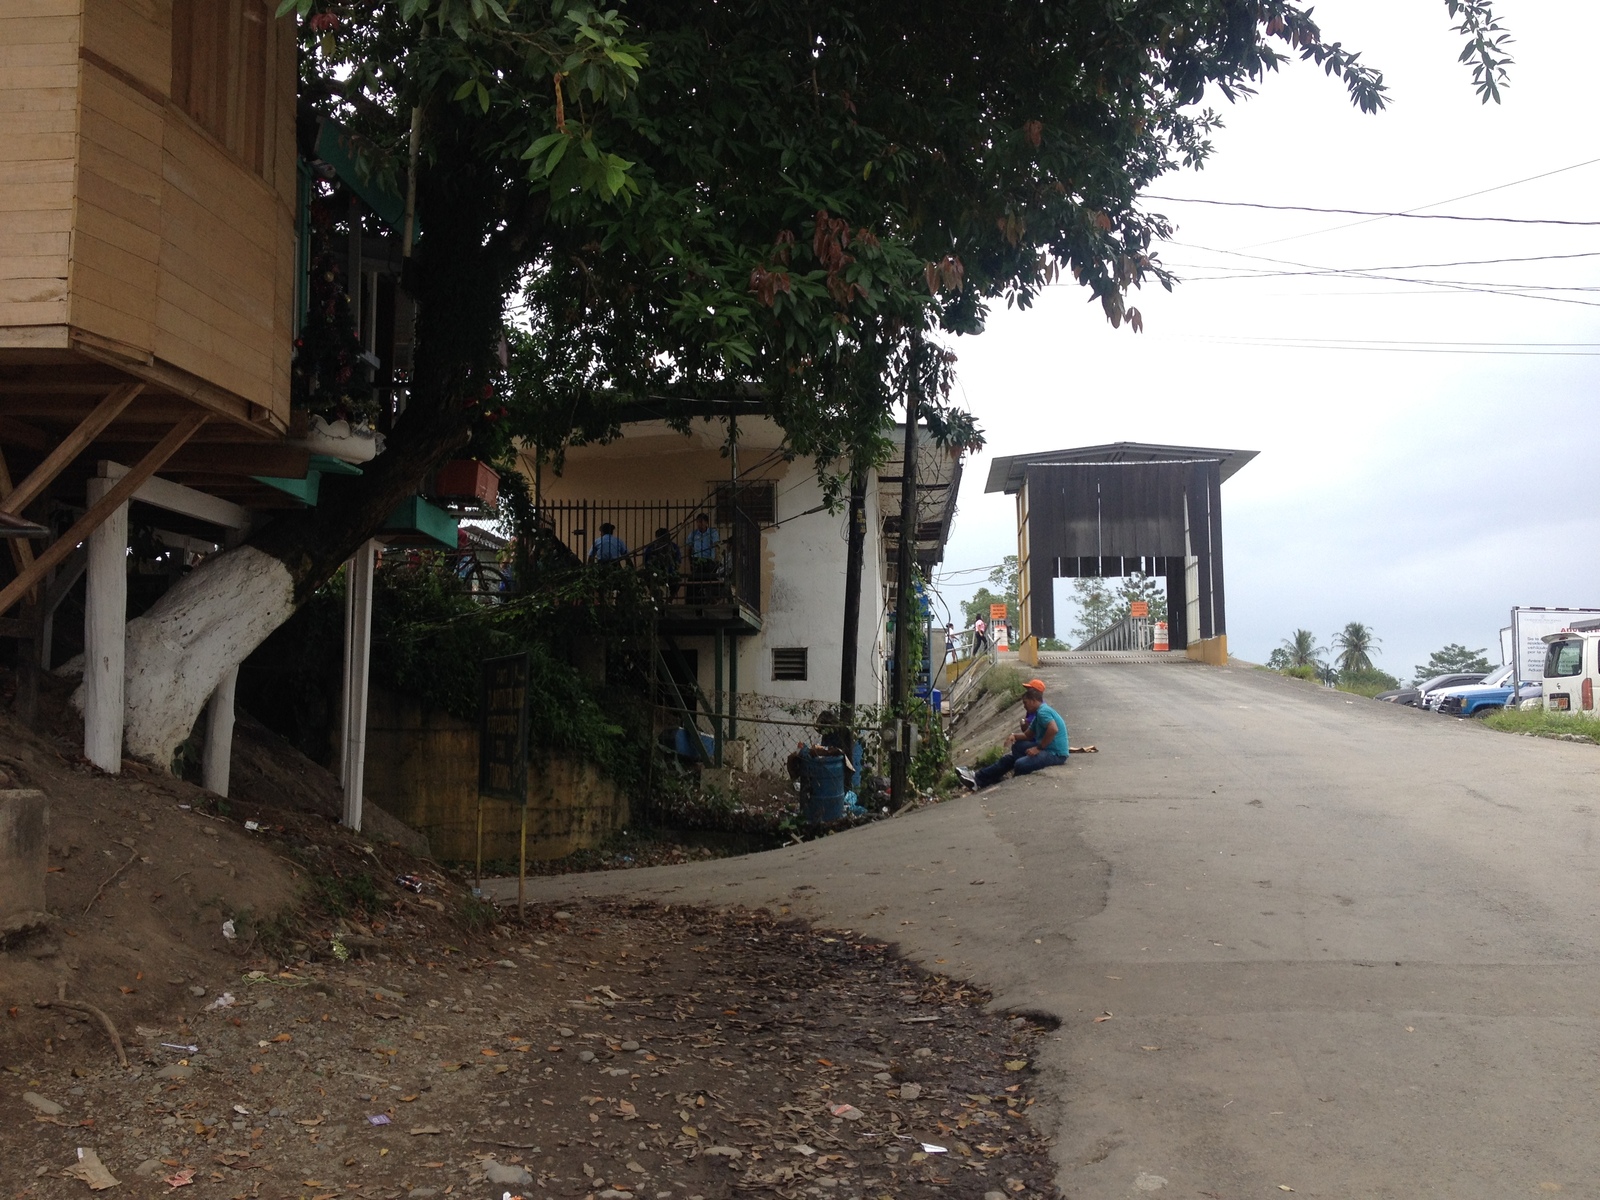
(357,659)
(218,758)
(105,628)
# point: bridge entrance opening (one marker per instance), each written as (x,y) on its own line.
(1097,512)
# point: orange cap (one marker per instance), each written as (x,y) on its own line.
(1036,684)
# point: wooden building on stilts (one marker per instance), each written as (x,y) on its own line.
(152,269)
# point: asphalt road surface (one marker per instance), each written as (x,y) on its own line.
(1338,947)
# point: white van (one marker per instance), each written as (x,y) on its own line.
(1571,669)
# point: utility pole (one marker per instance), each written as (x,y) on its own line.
(900,763)
(855,556)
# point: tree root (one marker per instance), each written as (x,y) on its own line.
(61,1001)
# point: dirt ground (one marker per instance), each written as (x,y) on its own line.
(355,1037)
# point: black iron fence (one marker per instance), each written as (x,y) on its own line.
(662,538)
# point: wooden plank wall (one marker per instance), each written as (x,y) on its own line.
(38,131)
(185,244)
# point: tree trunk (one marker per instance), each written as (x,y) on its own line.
(213,618)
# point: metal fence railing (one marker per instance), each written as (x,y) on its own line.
(656,537)
(1130,633)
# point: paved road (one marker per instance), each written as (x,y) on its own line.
(1346,949)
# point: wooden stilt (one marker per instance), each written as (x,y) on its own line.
(357,661)
(74,444)
(522,864)
(113,498)
(216,765)
(479,887)
(105,625)
(21,548)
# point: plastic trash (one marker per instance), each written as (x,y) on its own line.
(412,883)
(228,931)
(378,1119)
(253,826)
(225,1000)
(180,1046)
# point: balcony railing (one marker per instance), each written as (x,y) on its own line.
(732,575)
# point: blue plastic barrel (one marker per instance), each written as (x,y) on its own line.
(822,788)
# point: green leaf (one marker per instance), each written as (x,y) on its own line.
(543,144)
(483,98)
(465,90)
(556,154)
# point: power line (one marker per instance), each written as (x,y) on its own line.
(1381,347)
(1365,212)
(1499,187)
(1463,262)
(1246,273)
(1450,285)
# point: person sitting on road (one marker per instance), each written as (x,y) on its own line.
(608,547)
(1042,744)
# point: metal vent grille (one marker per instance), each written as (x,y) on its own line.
(789,662)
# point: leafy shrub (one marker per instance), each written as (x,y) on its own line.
(1005,682)
(1308,673)
(988,757)
(1366,683)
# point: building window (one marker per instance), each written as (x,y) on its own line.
(789,663)
(758,501)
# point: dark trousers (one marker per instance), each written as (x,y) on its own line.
(1018,760)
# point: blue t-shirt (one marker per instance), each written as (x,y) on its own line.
(608,547)
(1041,722)
(703,544)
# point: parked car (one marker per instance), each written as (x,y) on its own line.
(1481,699)
(1412,696)
(1571,666)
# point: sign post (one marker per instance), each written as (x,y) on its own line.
(503,749)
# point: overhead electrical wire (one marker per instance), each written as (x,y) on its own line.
(1366,212)
(1359,273)
(1499,187)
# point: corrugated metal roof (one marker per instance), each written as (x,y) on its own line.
(1005,474)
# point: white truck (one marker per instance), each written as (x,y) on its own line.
(1572,667)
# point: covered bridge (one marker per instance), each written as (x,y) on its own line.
(1097,511)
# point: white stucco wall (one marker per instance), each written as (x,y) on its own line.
(803,567)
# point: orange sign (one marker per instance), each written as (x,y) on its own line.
(997,612)
(1139,608)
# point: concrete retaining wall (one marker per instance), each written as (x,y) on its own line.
(423,769)
(24,858)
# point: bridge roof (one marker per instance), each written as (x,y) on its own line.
(1006,474)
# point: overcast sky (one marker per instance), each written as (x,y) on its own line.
(1423,486)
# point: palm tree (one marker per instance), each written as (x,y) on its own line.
(1355,643)
(1303,650)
